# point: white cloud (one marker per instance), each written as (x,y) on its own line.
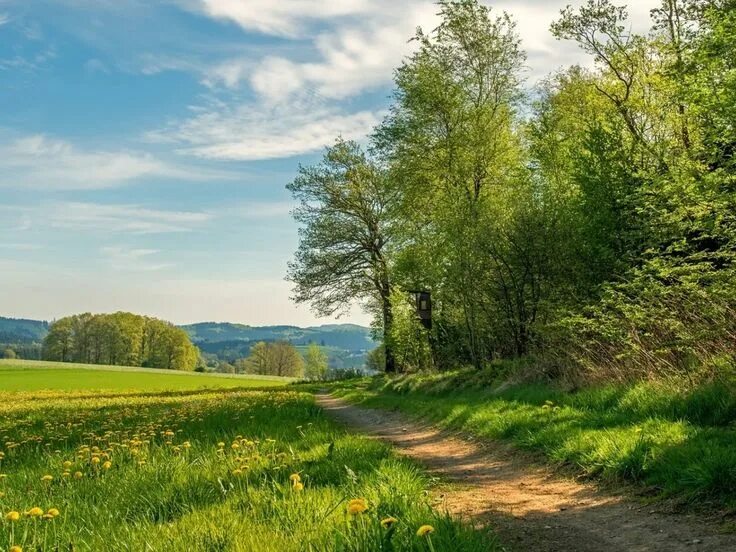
(103,218)
(4,18)
(40,162)
(259,131)
(132,259)
(284,17)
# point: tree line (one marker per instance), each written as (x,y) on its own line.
(588,222)
(280,358)
(122,339)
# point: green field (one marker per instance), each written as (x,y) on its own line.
(212,470)
(26,375)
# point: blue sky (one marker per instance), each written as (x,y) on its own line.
(145,145)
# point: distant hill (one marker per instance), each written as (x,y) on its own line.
(349,337)
(346,344)
(19,330)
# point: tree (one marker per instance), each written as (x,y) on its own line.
(345,207)
(275,359)
(315,362)
(9,353)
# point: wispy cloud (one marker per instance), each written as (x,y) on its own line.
(256,131)
(102,218)
(41,162)
(133,259)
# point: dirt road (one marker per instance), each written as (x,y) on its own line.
(531,508)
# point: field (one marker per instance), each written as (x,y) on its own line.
(667,439)
(27,375)
(205,470)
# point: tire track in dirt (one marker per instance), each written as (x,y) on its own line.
(530,507)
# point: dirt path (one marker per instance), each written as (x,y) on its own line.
(531,508)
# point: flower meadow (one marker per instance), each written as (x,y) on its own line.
(208,471)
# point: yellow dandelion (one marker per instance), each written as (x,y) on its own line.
(357,506)
(66,474)
(47,478)
(12,516)
(15,549)
(107,465)
(298,486)
(78,475)
(66,465)
(425,530)
(388,522)
(237,471)
(221,444)
(95,460)
(53,512)
(35,512)
(295,477)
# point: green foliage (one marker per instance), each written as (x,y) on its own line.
(9,353)
(122,339)
(274,359)
(315,362)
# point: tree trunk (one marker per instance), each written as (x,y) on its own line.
(388,320)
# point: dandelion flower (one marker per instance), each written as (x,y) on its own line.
(95,460)
(47,478)
(53,512)
(15,549)
(425,530)
(12,516)
(107,465)
(66,465)
(295,478)
(388,522)
(298,486)
(357,506)
(35,512)
(78,475)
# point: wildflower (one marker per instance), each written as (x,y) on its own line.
(221,445)
(388,522)
(357,506)
(78,475)
(66,474)
(425,530)
(47,478)
(107,465)
(35,512)
(15,549)
(12,516)
(95,460)
(66,465)
(298,486)
(295,478)
(237,471)
(53,512)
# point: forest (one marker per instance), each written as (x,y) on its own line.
(586,223)
(122,339)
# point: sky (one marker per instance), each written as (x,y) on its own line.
(145,145)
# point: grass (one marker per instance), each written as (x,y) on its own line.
(669,440)
(205,470)
(26,375)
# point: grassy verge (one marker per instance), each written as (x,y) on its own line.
(207,471)
(675,442)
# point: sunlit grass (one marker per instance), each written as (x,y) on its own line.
(673,440)
(205,470)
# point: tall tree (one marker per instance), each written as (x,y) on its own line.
(345,207)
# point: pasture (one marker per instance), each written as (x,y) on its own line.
(27,375)
(205,470)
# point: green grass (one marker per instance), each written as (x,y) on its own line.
(16,375)
(205,471)
(669,440)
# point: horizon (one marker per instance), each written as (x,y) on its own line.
(149,176)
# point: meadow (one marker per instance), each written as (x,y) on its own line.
(665,439)
(206,470)
(28,375)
